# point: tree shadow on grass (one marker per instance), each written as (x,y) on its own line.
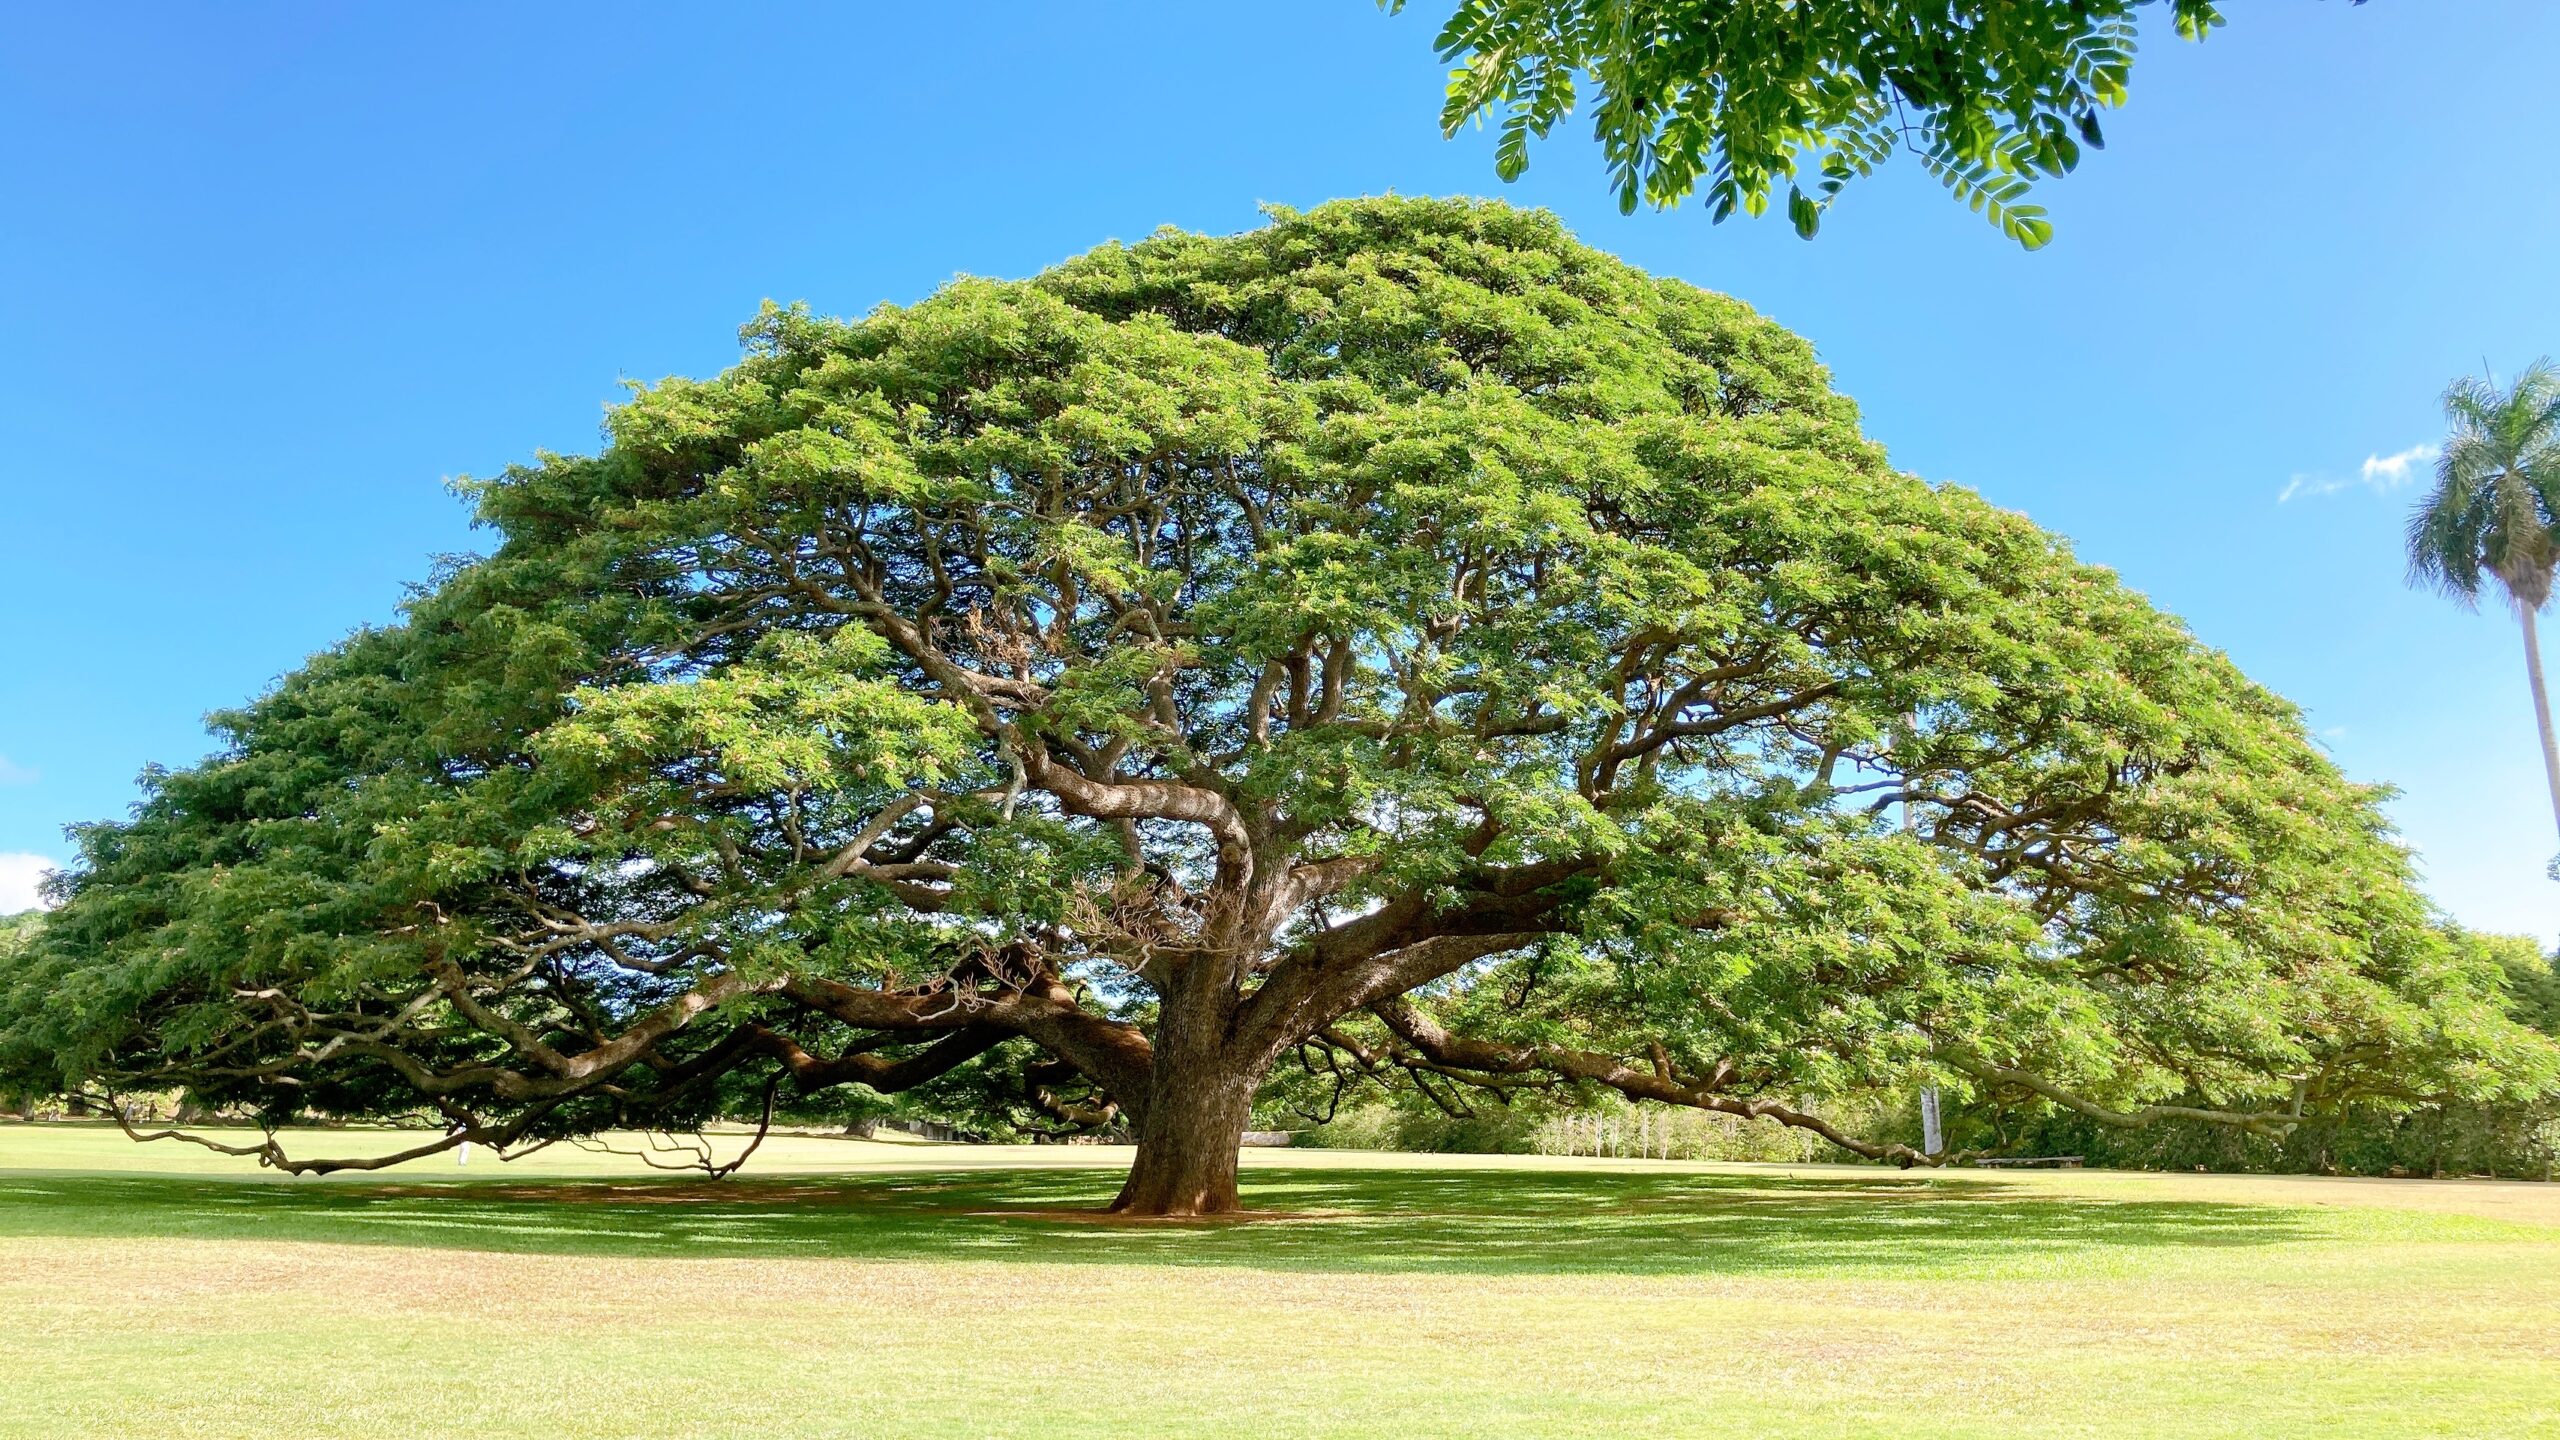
(1382,1220)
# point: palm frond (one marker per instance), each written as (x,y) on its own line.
(2495,506)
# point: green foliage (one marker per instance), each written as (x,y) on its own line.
(2517,1138)
(2511,1142)
(2532,982)
(16,933)
(1746,99)
(2495,507)
(1422,1130)
(1399,599)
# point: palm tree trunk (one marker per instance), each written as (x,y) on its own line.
(2541,709)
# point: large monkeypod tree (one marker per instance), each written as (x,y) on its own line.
(1395,642)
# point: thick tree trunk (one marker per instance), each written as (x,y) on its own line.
(1187,1144)
(2541,707)
(1199,1099)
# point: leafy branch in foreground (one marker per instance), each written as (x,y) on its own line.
(1749,99)
(1399,633)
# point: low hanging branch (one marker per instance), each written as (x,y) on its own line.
(2269,1124)
(696,1147)
(1467,1060)
(271,1155)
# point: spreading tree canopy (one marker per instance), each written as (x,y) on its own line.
(1398,641)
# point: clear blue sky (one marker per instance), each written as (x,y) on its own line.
(273,273)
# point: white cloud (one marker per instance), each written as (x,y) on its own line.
(2390,472)
(19,874)
(13,773)
(2380,474)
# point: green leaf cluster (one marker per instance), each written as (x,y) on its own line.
(1750,100)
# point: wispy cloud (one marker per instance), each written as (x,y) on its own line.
(13,773)
(2390,472)
(20,873)
(2380,474)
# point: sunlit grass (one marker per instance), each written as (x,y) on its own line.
(844,1287)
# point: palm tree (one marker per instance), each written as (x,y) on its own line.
(2495,514)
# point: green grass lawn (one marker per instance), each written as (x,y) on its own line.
(857,1289)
